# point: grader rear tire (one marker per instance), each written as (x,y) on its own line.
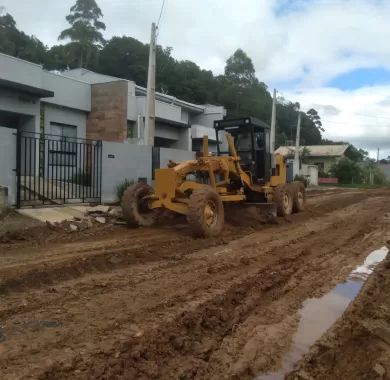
(135,208)
(283,197)
(206,213)
(298,196)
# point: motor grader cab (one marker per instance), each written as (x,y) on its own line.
(251,139)
(240,172)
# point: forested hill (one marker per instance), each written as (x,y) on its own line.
(238,89)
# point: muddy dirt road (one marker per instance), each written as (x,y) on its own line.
(358,345)
(156,304)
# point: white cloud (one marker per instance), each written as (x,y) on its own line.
(361,116)
(297,46)
(312,42)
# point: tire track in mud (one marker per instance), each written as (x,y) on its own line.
(182,347)
(148,247)
(183,310)
(116,257)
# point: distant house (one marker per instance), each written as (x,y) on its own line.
(324,156)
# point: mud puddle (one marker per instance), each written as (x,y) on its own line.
(319,314)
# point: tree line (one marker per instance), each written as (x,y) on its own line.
(238,89)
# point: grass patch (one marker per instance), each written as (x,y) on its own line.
(122,186)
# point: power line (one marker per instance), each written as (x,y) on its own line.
(344,123)
(161,12)
(373,116)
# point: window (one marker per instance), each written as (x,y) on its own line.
(65,131)
(321,165)
(131,130)
(62,144)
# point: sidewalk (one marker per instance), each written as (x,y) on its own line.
(55,214)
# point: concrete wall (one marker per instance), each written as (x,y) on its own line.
(67,92)
(17,70)
(311,173)
(163,110)
(184,142)
(198,131)
(197,145)
(124,160)
(185,116)
(176,155)
(386,171)
(13,101)
(108,118)
(327,161)
(167,131)
(27,107)
(8,162)
(132,113)
(121,161)
(210,114)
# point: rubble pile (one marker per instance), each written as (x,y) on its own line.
(94,216)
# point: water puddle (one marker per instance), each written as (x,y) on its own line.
(318,314)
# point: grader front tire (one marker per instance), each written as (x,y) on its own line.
(205,212)
(135,208)
(283,197)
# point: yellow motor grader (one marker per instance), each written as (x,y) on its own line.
(242,171)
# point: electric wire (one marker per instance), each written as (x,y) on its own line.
(159,18)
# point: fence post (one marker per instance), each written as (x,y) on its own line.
(100,145)
(18,166)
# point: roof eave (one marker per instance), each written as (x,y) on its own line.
(31,90)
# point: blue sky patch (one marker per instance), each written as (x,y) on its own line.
(284,7)
(361,78)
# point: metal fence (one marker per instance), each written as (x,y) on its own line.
(54,169)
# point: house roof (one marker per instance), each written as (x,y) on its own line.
(139,90)
(32,90)
(315,150)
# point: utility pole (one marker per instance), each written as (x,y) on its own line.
(296,154)
(150,113)
(377,156)
(272,135)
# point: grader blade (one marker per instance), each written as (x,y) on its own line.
(269,209)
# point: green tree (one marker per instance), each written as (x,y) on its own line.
(347,171)
(18,44)
(240,91)
(287,118)
(85,29)
(239,69)
(63,57)
(355,154)
(304,154)
(124,57)
(313,115)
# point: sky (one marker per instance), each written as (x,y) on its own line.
(333,55)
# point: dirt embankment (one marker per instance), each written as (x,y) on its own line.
(358,345)
(156,304)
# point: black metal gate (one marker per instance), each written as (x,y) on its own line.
(55,169)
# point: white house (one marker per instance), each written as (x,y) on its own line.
(80,126)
